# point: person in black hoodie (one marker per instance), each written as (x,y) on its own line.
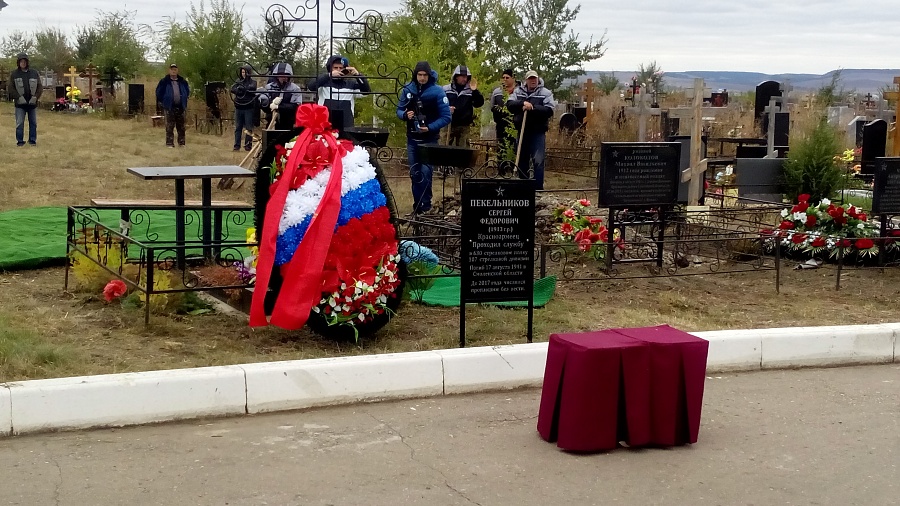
(24,89)
(337,89)
(244,91)
(464,98)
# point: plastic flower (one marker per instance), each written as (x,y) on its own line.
(114,289)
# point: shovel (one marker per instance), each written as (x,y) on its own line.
(227,182)
(521,134)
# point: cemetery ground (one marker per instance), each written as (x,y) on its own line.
(46,332)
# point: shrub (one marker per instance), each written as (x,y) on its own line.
(810,167)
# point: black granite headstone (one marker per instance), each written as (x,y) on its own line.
(135,98)
(759,178)
(782,127)
(886,192)
(636,174)
(60,92)
(873,144)
(859,125)
(764,92)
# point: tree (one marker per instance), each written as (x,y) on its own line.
(16,42)
(607,83)
(272,43)
(831,93)
(51,50)
(207,44)
(87,44)
(811,167)
(119,47)
(651,76)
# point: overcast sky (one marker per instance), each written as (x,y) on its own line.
(803,36)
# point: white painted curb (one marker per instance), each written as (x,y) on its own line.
(493,367)
(5,411)
(156,396)
(279,386)
(126,399)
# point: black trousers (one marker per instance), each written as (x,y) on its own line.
(174,121)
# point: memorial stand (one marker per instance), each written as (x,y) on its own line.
(497,245)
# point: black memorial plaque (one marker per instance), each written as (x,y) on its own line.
(636,174)
(497,240)
(886,193)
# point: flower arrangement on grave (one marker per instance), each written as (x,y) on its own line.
(824,227)
(73,94)
(420,261)
(576,226)
(328,229)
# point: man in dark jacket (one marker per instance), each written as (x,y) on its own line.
(425,108)
(282,95)
(337,89)
(464,98)
(172,94)
(24,89)
(533,105)
(244,91)
(503,119)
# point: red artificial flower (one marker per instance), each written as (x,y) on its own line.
(114,289)
(811,220)
(803,197)
(594,221)
(585,202)
(567,229)
(786,225)
(864,243)
(800,208)
(851,211)
(862,216)
(844,243)
(313,117)
(583,234)
(569,213)
(818,242)
(798,238)
(584,244)
(594,237)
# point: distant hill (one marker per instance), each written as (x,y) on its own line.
(861,80)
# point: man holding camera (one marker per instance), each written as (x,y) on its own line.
(172,94)
(337,89)
(425,108)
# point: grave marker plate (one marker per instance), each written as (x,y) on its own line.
(497,240)
(635,174)
(886,193)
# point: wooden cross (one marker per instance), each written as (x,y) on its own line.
(698,166)
(72,75)
(895,96)
(90,72)
(588,98)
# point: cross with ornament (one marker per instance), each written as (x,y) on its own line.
(90,72)
(894,95)
(72,75)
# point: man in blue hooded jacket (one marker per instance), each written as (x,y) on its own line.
(425,108)
(172,93)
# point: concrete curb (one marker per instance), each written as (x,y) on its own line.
(156,396)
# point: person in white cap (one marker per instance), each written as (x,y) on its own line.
(532,105)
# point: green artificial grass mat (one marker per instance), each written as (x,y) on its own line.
(445,292)
(36,237)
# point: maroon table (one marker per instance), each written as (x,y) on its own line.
(643,386)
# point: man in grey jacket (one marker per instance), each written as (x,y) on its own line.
(24,89)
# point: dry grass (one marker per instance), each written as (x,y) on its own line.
(49,333)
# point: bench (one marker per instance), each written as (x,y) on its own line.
(127,205)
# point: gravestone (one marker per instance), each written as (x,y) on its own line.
(873,145)
(135,98)
(759,178)
(764,92)
(60,92)
(568,123)
(639,174)
(886,191)
(855,131)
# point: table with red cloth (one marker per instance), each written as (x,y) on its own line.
(642,386)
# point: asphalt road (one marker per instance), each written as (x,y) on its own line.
(816,436)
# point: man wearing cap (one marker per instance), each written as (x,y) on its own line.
(424,106)
(337,89)
(172,94)
(24,89)
(532,105)
(464,97)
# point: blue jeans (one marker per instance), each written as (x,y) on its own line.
(533,147)
(420,174)
(243,118)
(20,125)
